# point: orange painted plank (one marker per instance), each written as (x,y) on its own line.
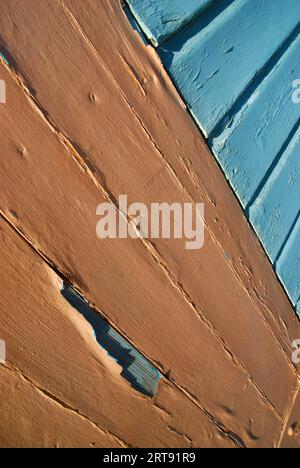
(57,374)
(120,277)
(30,418)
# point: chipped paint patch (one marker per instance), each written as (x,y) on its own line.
(141,374)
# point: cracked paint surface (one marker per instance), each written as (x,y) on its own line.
(215,323)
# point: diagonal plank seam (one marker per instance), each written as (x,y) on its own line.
(237,440)
(220,426)
(62,404)
(260,76)
(182,187)
(180,434)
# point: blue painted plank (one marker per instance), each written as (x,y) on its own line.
(249,146)
(277,207)
(298,308)
(160,19)
(214,60)
(288,265)
(142,375)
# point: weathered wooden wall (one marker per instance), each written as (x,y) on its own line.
(234,62)
(90,115)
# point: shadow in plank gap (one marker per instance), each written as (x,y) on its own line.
(134,24)
(141,374)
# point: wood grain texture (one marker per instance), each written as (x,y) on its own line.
(57,373)
(31,418)
(156,293)
(291,434)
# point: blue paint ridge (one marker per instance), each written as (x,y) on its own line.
(249,145)
(255,83)
(160,19)
(277,208)
(288,265)
(214,60)
(141,374)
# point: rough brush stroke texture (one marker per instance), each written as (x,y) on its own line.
(59,388)
(222,353)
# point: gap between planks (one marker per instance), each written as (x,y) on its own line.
(46,394)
